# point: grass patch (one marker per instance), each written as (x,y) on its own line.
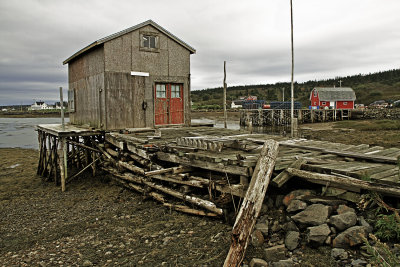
(369,125)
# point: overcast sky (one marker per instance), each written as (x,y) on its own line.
(331,38)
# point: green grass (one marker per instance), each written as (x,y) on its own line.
(369,125)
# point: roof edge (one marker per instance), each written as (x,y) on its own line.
(128,30)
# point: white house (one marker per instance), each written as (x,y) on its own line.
(236,104)
(39,105)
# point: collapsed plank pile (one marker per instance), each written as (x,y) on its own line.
(212,172)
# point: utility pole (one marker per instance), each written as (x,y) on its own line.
(291,85)
(225,115)
(283,94)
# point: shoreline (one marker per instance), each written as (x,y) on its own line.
(32,115)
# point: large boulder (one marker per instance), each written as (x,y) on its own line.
(315,214)
(351,237)
(344,220)
(318,234)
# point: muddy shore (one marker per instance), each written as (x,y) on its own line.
(96,222)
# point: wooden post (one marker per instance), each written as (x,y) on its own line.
(252,202)
(62,109)
(62,166)
(224,102)
(292,74)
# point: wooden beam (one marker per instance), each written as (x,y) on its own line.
(132,168)
(392,190)
(219,167)
(205,204)
(251,206)
(284,176)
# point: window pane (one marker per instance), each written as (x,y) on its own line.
(160,90)
(146,42)
(175,91)
(152,41)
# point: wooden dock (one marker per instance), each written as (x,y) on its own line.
(207,169)
(281,117)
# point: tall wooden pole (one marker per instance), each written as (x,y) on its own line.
(291,85)
(224,103)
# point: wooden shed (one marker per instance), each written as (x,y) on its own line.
(138,77)
(332,97)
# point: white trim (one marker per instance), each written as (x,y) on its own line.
(138,73)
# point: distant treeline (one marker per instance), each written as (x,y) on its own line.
(382,85)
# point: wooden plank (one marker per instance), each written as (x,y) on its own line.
(351,182)
(374,170)
(357,148)
(284,176)
(373,158)
(126,137)
(140,152)
(173,179)
(391,179)
(251,205)
(132,168)
(387,152)
(219,167)
(384,174)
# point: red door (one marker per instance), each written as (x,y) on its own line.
(168,104)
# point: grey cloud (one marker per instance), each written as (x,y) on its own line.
(331,39)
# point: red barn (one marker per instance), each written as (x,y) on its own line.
(332,97)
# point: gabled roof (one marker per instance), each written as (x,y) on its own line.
(335,93)
(133,28)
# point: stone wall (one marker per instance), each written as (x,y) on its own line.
(375,113)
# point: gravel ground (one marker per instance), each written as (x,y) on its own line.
(95,223)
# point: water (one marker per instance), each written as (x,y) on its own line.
(233,125)
(20,132)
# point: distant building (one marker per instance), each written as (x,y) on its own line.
(39,105)
(332,97)
(57,105)
(237,104)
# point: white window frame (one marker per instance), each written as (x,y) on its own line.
(159,92)
(175,91)
(153,43)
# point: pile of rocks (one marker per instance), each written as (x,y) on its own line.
(305,219)
(375,113)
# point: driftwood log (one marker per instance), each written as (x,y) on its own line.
(252,202)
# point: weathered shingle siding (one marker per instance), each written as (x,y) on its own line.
(86,77)
(126,93)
